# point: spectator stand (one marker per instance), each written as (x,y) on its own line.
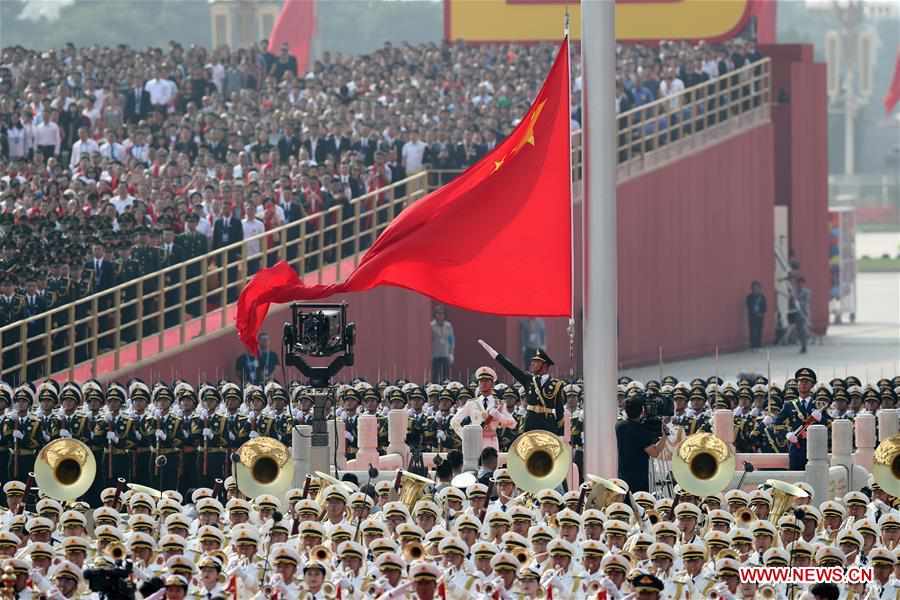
(149,314)
(324,247)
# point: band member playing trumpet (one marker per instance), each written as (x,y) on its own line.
(485,410)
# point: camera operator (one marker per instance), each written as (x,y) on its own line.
(637,440)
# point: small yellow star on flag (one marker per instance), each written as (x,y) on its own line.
(498,164)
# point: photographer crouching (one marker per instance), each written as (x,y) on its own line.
(638,438)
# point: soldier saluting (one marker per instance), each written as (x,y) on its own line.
(544,394)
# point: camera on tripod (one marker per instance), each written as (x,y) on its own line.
(319,330)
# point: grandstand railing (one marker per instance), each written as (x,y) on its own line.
(136,319)
(646,131)
(162,311)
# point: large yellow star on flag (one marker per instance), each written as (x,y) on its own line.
(528,135)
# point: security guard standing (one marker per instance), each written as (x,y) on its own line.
(12,308)
(546,405)
(192,244)
(129,271)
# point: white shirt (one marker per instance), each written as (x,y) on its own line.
(47,134)
(161,91)
(674,88)
(122,204)
(140,153)
(85,147)
(251,228)
(15,138)
(413,153)
(113,151)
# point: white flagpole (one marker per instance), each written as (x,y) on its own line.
(598,55)
(573,363)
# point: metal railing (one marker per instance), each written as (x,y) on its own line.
(130,321)
(133,320)
(645,130)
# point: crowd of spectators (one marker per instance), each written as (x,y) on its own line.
(105,151)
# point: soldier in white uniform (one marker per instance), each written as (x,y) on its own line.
(485,410)
(885,587)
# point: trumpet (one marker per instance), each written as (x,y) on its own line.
(413,551)
(115,551)
(523,556)
(744,516)
(321,553)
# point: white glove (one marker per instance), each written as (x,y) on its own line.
(207,433)
(488,349)
(112,437)
(768,420)
(817,414)
(161,435)
(450,358)
(296,414)
(40,581)
(64,433)
(792,437)
(204,414)
(254,434)
(231,436)
(18,434)
(441,435)
(138,435)
(348,436)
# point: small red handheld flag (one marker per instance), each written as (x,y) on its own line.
(508,215)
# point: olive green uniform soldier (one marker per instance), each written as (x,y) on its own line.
(192,244)
(129,270)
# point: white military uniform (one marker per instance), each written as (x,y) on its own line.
(478,410)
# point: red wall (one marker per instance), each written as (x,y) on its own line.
(392,332)
(801,175)
(692,236)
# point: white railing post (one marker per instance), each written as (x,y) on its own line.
(817,468)
(864,427)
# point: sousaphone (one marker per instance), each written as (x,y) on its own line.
(263,466)
(886,465)
(703,464)
(65,469)
(538,460)
(600,492)
(784,496)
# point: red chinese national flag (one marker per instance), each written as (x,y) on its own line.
(296,26)
(893,93)
(507,218)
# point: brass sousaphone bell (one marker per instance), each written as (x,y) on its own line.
(703,464)
(601,492)
(264,466)
(412,488)
(538,460)
(886,465)
(784,496)
(65,469)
